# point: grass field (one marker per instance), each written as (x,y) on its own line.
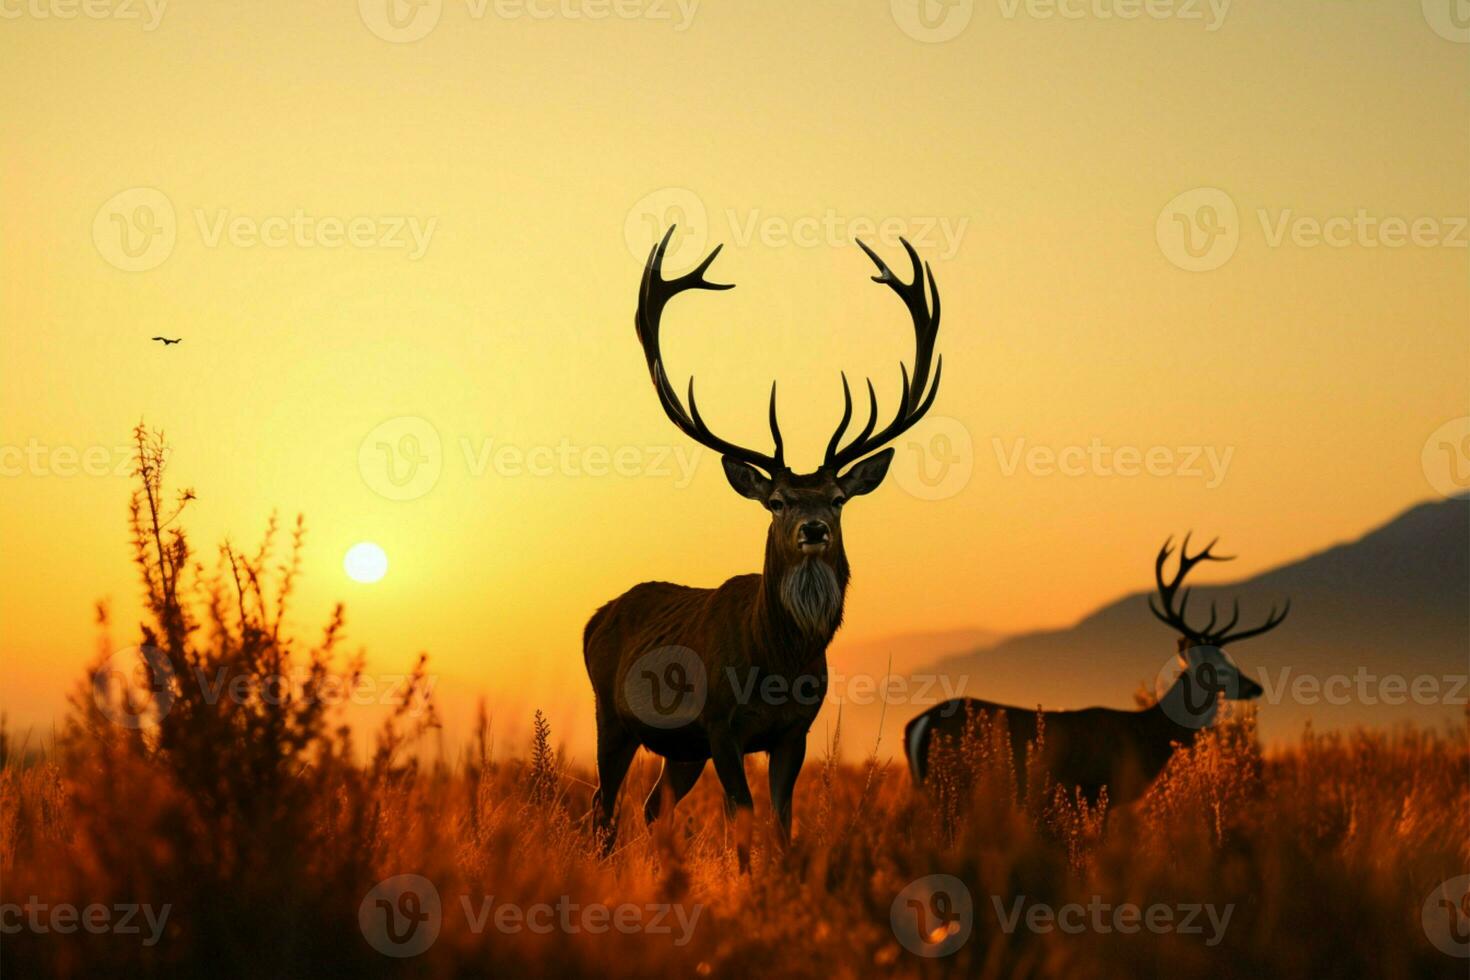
(250,835)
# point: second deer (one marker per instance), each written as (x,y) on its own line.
(1122,750)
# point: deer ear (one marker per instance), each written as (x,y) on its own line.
(746,479)
(865,476)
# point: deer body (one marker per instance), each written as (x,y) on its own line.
(1124,751)
(1088,748)
(698,675)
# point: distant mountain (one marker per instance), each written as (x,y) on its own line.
(1395,602)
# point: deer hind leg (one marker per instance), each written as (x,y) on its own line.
(676,779)
(739,805)
(615,751)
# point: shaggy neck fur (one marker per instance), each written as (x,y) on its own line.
(801,601)
(812,596)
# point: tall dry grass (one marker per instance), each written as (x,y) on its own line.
(256,823)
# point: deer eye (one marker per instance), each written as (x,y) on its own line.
(838,501)
(776,504)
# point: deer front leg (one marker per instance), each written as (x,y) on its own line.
(739,805)
(785,765)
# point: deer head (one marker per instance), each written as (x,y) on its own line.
(805,508)
(1201,651)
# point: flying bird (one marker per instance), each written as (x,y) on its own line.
(167,340)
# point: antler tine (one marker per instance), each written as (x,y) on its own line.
(654,294)
(1234,618)
(1169,589)
(921,297)
(1272,621)
(846,417)
(780,454)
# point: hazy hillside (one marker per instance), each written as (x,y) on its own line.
(1394,602)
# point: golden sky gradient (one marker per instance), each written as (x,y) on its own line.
(1045,165)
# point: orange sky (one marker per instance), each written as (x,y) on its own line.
(272,166)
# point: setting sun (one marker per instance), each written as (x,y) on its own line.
(365,562)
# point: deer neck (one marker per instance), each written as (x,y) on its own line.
(1184,711)
(800,603)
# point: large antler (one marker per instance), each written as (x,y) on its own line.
(655,293)
(1175,618)
(921,296)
